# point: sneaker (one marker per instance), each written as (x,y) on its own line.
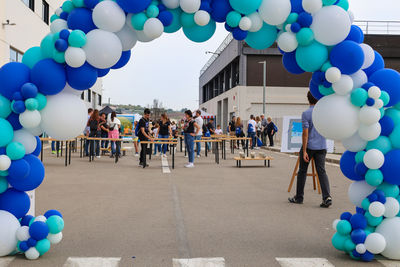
(98,157)
(186,156)
(136,154)
(164,155)
(294,200)
(53,152)
(326,203)
(190,165)
(198,156)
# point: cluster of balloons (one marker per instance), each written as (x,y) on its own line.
(30,235)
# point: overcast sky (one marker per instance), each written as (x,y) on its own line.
(168,68)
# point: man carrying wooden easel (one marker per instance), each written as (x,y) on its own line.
(314,146)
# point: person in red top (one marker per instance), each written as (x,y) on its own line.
(95,125)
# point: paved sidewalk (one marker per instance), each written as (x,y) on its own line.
(331,158)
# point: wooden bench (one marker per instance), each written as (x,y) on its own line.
(266,160)
(123,150)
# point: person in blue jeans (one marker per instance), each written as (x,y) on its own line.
(191,129)
(199,135)
(55,146)
(164,132)
(251,131)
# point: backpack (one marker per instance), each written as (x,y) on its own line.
(250,128)
(93,125)
(238,131)
(137,130)
(275,128)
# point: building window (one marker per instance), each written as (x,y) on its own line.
(89,95)
(100,100)
(94,98)
(83,96)
(15,55)
(45,11)
(30,4)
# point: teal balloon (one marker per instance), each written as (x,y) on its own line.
(385,98)
(152,11)
(311,58)
(359,97)
(15,150)
(365,204)
(374,177)
(42,246)
(6,133)
(3,173)
(373,221)
(349,245)
(5,107)
(47,46)
(395,137)
(382,143)
(292,18)
(55,224)
(233,19)
(3,185)
(138,21)
(32,56)
(42,101)
(338,241)
(77,38)
(187,20)
(68,6)
(389,190)
(54,17)
(360,156)
(31,104)
(176,22)
(245,6)
(325,91)
(394,114)
(344,227)
(305,36)
(200,34)
(343,4)
(79,3)
(262,39)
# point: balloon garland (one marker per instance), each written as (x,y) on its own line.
(359,100)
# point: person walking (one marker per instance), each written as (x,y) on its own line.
(191,130)
(104,133)
(144,135)
(314,147)
(55,147)
(239,132)
(95,122)
(87,132)
(199,135)
(271,131)
(135,139)
(251,131)
(164,132)
(114,128)
(154,133)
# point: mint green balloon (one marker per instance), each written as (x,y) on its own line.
(395,137)
(370,229)
(42,101)
(394,114)
(385,98)
(5,107)
(365,204)
(32,56)
(338,241)
(233,19)
(77,38)
(55,224)
(3,185)
(344,4)
(327,65)
(359,97)
(344,227)
(31,104)
(200,34)
(349,245)
(374,177)
(152,11)
(360,156)
(325,91)
(176,22)
(292,18)
(245,6)
(311,58)
(373,221)
(328,2)
(382,143)
(262,39)
(389,190)
(47,46)
(6,133)
(3,173)
(397,106)
(15,150)
(54,17)
(382,110)
(79,3)
(138,21)
(68,6)
(59,57)
(43,246)
(187,20)
(305,36)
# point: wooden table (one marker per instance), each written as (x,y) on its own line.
(266,159)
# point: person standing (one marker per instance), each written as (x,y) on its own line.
(164,132)
(144,135)
(314,147)
(264,124)
(114,128)
(239,131)
(259,126)
(232,130)
(199,135)
(87,132)
(211,130)
(154,133)
(95,122)
(104,132)
(191,130)
(271,131)
(251,131)
(135,139)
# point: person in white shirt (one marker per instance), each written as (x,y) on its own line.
(251,131)
(218,131)
(199,120)
(114,126)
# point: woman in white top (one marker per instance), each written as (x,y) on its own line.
(114,126)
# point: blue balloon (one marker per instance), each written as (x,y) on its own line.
(314,89)
(38,148)
(49,77)
(18,170)
(31,242)
(81,19)
(200,34)
(12,76)
(318,77)
(161,8)
(381,196)
(297,6)
(356,35)
(166,18)
(38,230)
(17,96)
(305,19)
(296,27)
(378,64)
(133,6)
(206,6)
(360,169)
(18,106)
(360,210)
(61,45)
(26,220)
(64,34)
(348,56)
(358,221)
(346,216)
(290,63)
(373,197)
(391,167)
(23,246)
(387,125)
(367,256)
(228,28)
(29,90)
(388,80)
(102,72)
(15,202)
(262,39)
(91,3)
(34,178)
(50,213)
(358,236)
(347,166)
(126,55)
(239,34)
(220,9)
(13,119)
(64,15)
(81,78)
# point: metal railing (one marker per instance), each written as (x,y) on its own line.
(379,27)
(217,52)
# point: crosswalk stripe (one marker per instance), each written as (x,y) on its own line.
(5,261)
(165,166)
(92,262)
(304,262)
(388,263)
(199,262)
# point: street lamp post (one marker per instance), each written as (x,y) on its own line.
(265,82)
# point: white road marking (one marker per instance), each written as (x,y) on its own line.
(304,262)
(164,165)
(92,262)
(199,262)
(5,261)
(389,263)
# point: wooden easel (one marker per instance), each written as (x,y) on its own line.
(314,175)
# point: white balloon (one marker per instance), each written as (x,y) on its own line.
(36,131)
(153,28)
(333,75)
(23,233)
(335,117)
(64,117)
(375,243)
(245,24)
(370,132)
(312,6)
(287,41)
(40,218)
(128,37)
(30,119)
(369,115)
(331,25)
(58,25)
(351,16)
(378,104)
(32,254)
(103,49)
(377,209)
(335,223)
(75,57)
(392,207)
(343,86)
(369,56)
(288,28)
(108,16)
(55,238)
(8,233)
(202,18)
(69,90)
(256,22)
(275,12)
(359,79)
(27,139)
(5,162)
(142,37)
(190,6)
(355,143)
(390,230)
(58,11)
(171,4)
(358,191)
(374,92)
(360,248)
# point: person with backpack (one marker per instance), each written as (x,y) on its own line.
(251,131)
(143,132)
(239,131)
(114,125)
(271,131)
(191,130)
(104,133)
(95,122)
(200,123)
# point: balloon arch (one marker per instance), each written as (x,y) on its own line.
(359,100)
